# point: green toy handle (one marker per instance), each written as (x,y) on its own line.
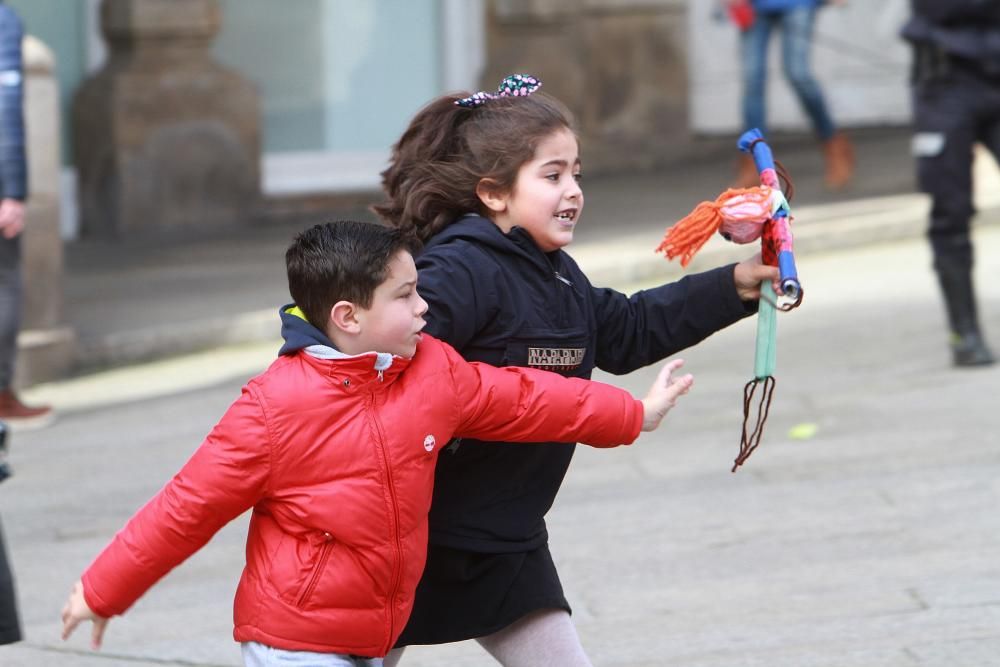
(767,340)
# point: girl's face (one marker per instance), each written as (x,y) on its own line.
(546,200)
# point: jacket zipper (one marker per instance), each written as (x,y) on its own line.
(396,569)
(560,294)
(318,570)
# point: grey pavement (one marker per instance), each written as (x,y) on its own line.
(139,299)
(863,532)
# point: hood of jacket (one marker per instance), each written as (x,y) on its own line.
(299,335)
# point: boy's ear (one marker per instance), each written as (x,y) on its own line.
(344,317)
(491,195)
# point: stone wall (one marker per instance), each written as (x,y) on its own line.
(620,65)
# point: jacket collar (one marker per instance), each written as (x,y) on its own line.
(301,336)
(517,242)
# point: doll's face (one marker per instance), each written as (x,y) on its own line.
(741,231)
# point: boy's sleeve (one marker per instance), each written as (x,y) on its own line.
(650,325)
(526,405)
(225,477)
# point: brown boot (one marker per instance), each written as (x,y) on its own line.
(839,153)
(746,173)
(17,414)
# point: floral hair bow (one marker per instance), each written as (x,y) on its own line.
(515,85)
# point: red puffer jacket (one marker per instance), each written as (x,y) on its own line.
(337,461)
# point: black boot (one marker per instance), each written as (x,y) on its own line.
(967,345)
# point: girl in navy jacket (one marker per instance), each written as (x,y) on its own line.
(490,183)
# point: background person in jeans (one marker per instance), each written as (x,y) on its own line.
(13,192)
(795,19)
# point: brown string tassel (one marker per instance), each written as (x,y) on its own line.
(751,439)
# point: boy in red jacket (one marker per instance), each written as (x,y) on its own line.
(333,447)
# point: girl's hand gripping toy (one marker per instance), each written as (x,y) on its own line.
(743,216)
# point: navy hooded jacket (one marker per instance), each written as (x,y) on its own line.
(965,29)
(500,299)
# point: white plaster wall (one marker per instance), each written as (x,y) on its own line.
(858,58)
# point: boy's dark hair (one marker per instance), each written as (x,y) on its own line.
(341,261)
(448,149)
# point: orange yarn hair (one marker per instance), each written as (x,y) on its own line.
(690,233)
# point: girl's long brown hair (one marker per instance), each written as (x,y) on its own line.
(447,150)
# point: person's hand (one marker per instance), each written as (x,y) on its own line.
(664,394)
(75,611)
(750,273)
(11,217)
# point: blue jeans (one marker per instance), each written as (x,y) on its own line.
(796,26)
(259,655)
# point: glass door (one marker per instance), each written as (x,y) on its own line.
(339,80)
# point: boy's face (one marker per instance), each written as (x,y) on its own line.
(394,320)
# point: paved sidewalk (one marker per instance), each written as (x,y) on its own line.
(863,533)
(135,300)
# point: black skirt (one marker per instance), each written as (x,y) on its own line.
(465,595)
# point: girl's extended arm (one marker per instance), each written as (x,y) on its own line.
(638,330)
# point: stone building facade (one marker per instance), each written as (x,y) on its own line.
(620,65)
(320,107)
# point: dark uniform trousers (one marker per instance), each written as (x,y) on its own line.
(955,106)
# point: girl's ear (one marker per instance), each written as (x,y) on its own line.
(491,195)
(344,317)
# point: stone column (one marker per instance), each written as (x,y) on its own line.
(45,343)
(165,138)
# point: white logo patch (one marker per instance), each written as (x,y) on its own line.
(10,77)
(927,144)
(429,443)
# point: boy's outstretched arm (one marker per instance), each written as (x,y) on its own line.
(514,404)
(224,477)
(664,393)
(76,611)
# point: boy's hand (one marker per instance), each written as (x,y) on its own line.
(663,394)
(76,610)
(750,273)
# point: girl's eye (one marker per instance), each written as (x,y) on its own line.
(552,177)
(578,177)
